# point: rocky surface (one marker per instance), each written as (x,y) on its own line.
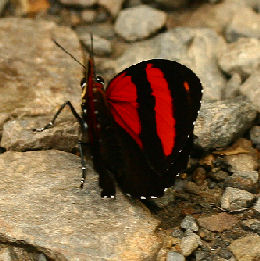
(212,212)
(42,206)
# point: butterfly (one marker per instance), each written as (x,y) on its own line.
(140,128)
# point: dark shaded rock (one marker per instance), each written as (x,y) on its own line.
(101,46)
(221,122)
(174,256)
(246,248)
(218,222)
(232,87)
(189,224)
(189,243)
(235,199)
(250,88)
(249,26)
(148,20)
(43,208)
(255,136)
(35,75)
(18,134)
(195,48)
(3,4)
(219,175)
(257,205)
(242,56)
(247,180)
(169,4)
(199,175)
(251,224)
(168,197)
(82,3)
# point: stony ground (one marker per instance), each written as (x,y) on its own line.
(213,211)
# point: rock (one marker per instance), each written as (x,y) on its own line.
(257,205)
(148,20)
(216,17)
(81,3)
(247,180)
(3,4)
(178,233)
(251,224)
(169,4)
(218,175)
(246,248)
(18,134)
(218,222)
(113,6)
(243,162)
(249,26)
(235,199)
(44,211)
(88,16)
(242,56)
(195,48)
(199,176)
(174,256)
(250,89)
(189,244)
(189,224)
(36,76)
(168,197)
(255,136)
(221,122)
(103,30)
(232,87)
(101,46)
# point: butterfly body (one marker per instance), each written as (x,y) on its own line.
(141,128)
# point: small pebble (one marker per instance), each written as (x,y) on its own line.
(235,199)
(174,256)
(189,244)
(189,224)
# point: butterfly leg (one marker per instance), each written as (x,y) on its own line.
(83,164)
(51,123)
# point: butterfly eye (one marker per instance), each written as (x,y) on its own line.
(99,79)
(83,82)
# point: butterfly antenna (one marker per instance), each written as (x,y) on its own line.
(91,46)
(64,50)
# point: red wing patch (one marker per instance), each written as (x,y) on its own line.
(121,96)
(165,121)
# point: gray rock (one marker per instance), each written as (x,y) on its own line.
(255,136)
(174,256)
(42,208)
(166,199)
(148,20)
(221,122)
(249,26)
(242,56)
(113,6)
(218,175)
(257,205)
(235,199)
(246,248)
(189,224)
(177,233)
(195,48)
(250,88)
(189,244)
(18,134)
(36,76)
(82,3)
(101,46)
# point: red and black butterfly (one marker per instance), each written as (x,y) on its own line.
(140,128)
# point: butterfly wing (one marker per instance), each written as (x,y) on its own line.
(154,105)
